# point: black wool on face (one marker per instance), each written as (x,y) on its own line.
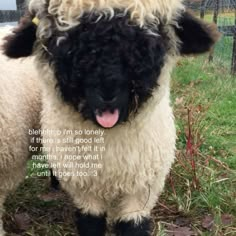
(106,66)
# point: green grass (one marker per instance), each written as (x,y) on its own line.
(223,18)
(204,182)
(209,85)
(50,213)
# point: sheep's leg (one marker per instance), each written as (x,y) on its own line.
(132,228)
(90,225)
(90,216)
(132,215)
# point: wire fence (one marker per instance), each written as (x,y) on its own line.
(13,15)
(10,15)
(222,13)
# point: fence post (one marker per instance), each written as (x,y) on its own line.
(233,64)
(20,4)
(215,17)
(202,9)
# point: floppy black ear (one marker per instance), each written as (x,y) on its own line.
(196,36)
(20,43)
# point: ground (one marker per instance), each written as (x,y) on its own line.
(200,192)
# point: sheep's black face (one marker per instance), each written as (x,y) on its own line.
(106,70)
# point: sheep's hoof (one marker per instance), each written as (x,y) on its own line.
(129,228)
(90,225)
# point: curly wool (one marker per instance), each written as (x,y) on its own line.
(133,151)
(20,105)
(66,13)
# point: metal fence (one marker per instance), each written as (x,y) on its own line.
(222,13)
(10,15)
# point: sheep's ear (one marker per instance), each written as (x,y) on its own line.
(20,43)
(196,36)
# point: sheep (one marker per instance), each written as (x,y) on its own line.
(20,105)
(105,67)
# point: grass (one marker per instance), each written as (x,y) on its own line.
(212,90)
(223,18)
(47,213)
(203,180)
(223,51)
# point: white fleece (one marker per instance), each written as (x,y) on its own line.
(137,159)
(20,105)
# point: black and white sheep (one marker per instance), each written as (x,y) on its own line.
(20,105)
(107,64)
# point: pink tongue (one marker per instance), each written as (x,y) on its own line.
(108,119)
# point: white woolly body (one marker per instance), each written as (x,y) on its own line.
(19,112)
(139,153)
(137,158)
